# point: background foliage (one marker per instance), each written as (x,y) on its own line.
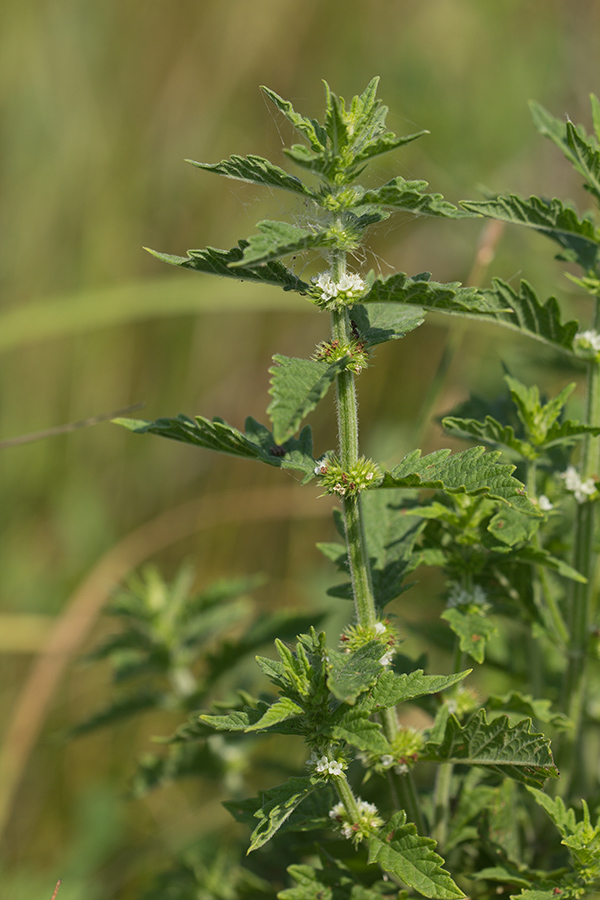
(99,103)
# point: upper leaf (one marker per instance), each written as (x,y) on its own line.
(228,263)
(256,443)
(350,137)
(411,857)
(524,312)
(511,750)
(471,471)
(380,322)
(420,291)
(256,170)
(392,689)
(297,386)
(353,674)
(579,238)
(277,239)
(410,196)
(579,149)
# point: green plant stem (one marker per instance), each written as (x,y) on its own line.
(347,797)
(356,541)
(580,596)
(443,779)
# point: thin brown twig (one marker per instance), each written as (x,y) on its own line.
(69,426)
(58,884)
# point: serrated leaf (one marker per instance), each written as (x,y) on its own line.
(410,196)
(489,432)
(392,689)
(334,880)
(530,316)
(308,128)
(256,170)
(412,858)
(297,386)
(277,805)
(256,443)
(471,471)
(280,711)
(380,322)
(513,751)
(229,264)
(473,630)
(572,140)
(352,674)
(511,527)
(579,238)
(529,707)
(277,239)
(420,291)
(355,728)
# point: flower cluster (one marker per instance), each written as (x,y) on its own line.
(461,596)
(588,340)
(462,701)
(356,636)
(324,765)
(330,294)
(403,753)
(369,821)
(362,475)
(582,490)
(330,351)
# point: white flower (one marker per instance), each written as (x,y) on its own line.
(461,596)
(580,489)
(353,283)
(325,766)
(386,760)
(544,504)
(380,628)
(321,467)
(327,286)
(590,338)
(368,822)
(387,658)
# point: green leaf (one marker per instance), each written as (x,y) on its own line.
(355,728)
(581,151)
(280,711)
(579,238)
(528,315)
(230,264)
(411,197)
(527,706)
(256,170)
(392,689)
(472,628)
(471,471)
(297,386)
(511,527)
(489,432)
(308,128)
(512,751)
(277,805)
(278,239)
(334,881)
(413,860)
(257,442)
(354,673)
(420,291)
(380,322)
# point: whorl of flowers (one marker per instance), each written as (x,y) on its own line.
(321,764)
(362,475)
(402,754)
(330,294)
(581,490)
(355,636)
(369,821)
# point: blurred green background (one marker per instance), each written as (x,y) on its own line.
(100,102)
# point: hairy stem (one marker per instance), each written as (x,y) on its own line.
(580,598)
